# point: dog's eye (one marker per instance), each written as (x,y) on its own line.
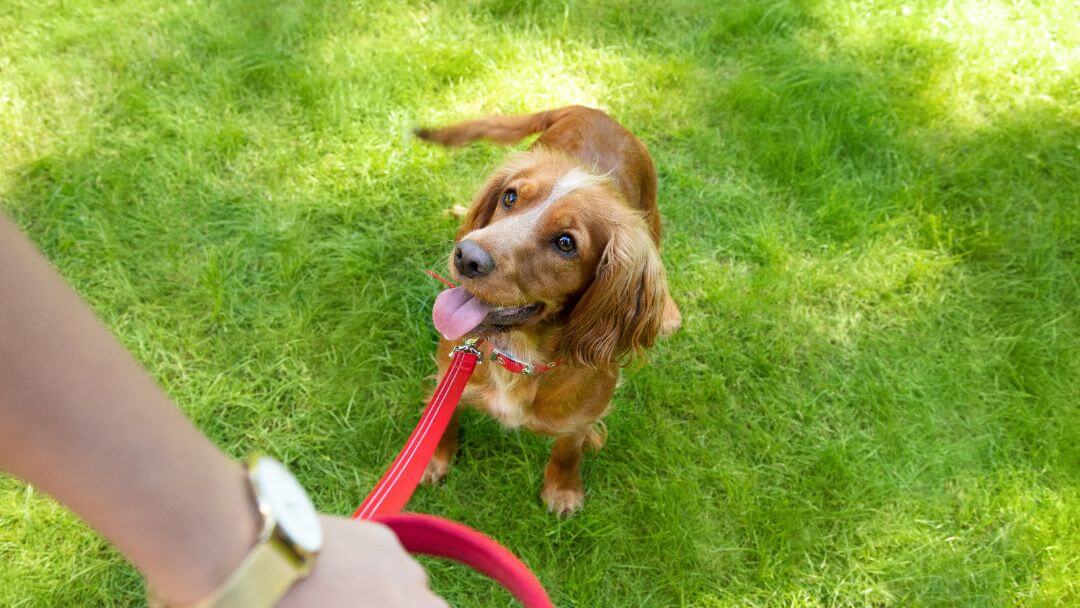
(509,198)
(565,243)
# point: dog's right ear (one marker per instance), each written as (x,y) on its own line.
(483,206)
(621,312)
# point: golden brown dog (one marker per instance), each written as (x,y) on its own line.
(558,261)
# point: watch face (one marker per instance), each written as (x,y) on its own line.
(292,508)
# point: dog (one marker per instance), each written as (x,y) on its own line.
(559,268)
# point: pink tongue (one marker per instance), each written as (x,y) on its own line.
(457,312)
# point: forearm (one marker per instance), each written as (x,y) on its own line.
(80,419)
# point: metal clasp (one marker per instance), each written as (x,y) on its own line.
(469,346)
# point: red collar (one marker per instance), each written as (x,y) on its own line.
(514,366)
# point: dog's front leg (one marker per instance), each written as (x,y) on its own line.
(439,465)
(564,491)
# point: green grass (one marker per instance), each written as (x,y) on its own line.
(872,217)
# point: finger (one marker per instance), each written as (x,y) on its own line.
(416,573)
(382,534)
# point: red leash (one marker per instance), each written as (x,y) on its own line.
(431,535)
(438,277)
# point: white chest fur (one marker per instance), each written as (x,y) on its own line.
(510,398)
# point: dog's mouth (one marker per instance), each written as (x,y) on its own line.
(458,312)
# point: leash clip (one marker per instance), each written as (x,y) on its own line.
(469,346)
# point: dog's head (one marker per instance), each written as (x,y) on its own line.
(546,242)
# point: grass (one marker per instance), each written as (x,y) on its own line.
(872,214)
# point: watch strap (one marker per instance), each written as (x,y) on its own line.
(263,578)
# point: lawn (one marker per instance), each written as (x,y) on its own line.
(872,220)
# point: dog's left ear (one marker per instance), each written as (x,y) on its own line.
(621,311)
(483,205)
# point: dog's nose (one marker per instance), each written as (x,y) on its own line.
(472,261)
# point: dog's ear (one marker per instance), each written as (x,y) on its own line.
(621,311)
(483,206)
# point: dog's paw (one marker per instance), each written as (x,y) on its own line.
(435,472)
(563,502)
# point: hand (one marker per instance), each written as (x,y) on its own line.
(362,564)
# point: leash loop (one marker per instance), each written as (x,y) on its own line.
(432,535)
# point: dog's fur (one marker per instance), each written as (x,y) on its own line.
(589,177)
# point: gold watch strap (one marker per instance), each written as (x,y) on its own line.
(263,578)
(269,569)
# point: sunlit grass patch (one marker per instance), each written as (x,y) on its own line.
(974,60)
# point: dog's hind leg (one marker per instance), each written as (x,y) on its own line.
(671,320)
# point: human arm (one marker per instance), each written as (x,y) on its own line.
(81,420)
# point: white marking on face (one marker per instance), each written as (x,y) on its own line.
(572,180)
(523,226)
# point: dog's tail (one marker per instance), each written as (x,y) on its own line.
(502,130)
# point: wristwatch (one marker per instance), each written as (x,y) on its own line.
(288,544)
